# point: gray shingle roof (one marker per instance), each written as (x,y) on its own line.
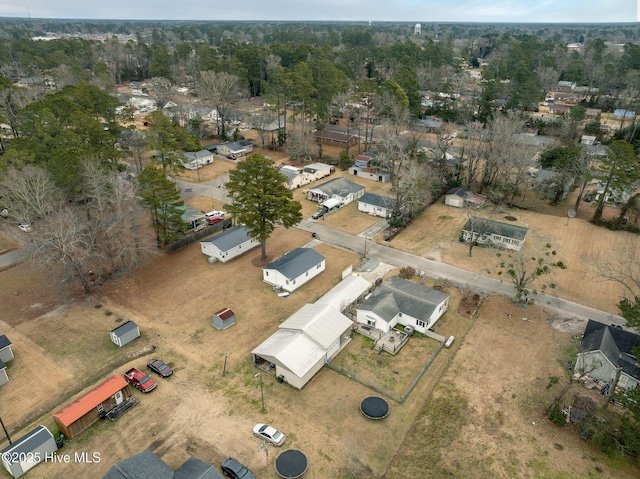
(124,328)
(377,200)
(616,344)
(145,465)
(30,441)
(398,295)
(4,342)
(488,226)
(296,262)
(194,468)
(339,186)
(230,238)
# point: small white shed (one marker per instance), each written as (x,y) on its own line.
(125,333)
(28,451)
(6,353)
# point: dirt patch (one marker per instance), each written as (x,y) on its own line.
(469,304)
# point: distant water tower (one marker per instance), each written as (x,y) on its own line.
(417,30)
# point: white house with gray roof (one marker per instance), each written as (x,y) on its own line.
(6,353)
(376,205)
(228,244)
(489,232)
(307,340)
(340,188)
(28,451)
(197,159)
(400,301)
(294,269)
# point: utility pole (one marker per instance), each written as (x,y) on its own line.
(5,430)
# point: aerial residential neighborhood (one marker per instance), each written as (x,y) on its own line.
(318,249)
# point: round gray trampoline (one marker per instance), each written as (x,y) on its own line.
(374,407)
(291,463)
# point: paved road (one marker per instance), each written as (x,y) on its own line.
(444,272)
(12,257)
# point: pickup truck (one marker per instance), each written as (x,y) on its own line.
(140,380)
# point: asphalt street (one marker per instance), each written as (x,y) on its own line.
(361,244)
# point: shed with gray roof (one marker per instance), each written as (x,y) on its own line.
(28,451)
(125,333)
(228,244)
(400,301)
(294,269)
(6,353)
(4,377)
(195,468)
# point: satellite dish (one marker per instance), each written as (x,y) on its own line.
(571,213)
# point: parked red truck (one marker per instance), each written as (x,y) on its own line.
(140,380)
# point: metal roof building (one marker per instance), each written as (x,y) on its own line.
(304,342)
(28,451)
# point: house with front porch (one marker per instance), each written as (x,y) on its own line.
(489,232)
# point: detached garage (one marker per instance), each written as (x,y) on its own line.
(125,333)
(28,451)
(87,409)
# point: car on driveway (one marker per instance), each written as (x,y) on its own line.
(269,434)
(318,214)
(235,470)
(214,213)
(159,367)
(231,156)
(212,220)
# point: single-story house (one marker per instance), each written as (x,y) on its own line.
(545,181)
(603,350)
(224,319)
(486,231)
(307,340)
(6,353)
(400,301)
(237,148)
(341,188)
(316,171)
(376,205)
(459,197)
(195,468)
(558,109)
(197,159)
(335,138)
(87,409)
(4,377)
(370,174)
(294,269)
(29,450)
(146,465)
(622,114)
(228,244)
(430,123)
(346,293)
(294,176)
(125,333)
(587,140)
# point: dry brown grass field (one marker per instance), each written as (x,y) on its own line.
(478,412)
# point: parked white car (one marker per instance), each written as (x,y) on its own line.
(269,434)
(25,227)
(214,213)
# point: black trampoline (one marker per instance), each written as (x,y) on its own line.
(291,463)
(374,407)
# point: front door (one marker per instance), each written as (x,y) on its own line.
(118,397)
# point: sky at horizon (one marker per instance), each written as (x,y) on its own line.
(483,11)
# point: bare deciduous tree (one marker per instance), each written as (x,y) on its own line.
(30,194)
(222,90)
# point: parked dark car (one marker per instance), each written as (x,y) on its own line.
(160,368)
(318,214)
(235,470)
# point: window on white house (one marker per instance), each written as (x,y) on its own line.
(421,323)
(100,407)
